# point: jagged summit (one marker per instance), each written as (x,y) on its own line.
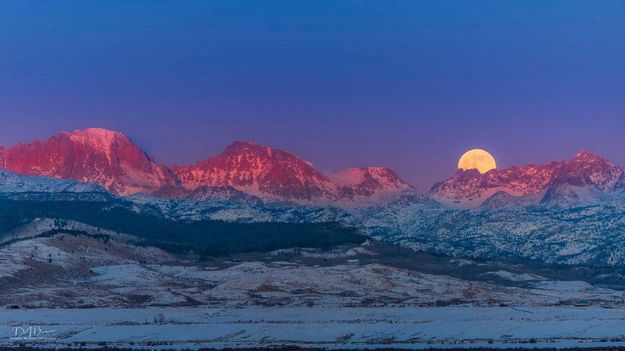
(96,136)
(589,169)
(246,143)
(370,182)
(587,160)
(239,145)
(587,156)
(100,133)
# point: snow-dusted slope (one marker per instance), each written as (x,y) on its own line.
(64,269)
(244,210)
(555,231)
(19,186)
(574,233)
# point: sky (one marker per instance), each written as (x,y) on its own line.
(409,85)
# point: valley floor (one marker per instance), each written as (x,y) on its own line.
(411,328)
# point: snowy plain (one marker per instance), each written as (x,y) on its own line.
(412,328)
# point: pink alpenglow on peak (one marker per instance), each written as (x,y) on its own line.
(370,183)
(91,155)
(273,174)
(261,171)
(243,169)
(586,168)
(532,183)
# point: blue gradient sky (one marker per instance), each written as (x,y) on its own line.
(405,84)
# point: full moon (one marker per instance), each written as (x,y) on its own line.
(477,159)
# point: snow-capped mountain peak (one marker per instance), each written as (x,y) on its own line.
(274,174)
(259,170)
(587,168)
(529,183)
(244,168)
(370,183)
(92,155)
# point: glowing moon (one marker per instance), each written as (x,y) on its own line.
(477,159)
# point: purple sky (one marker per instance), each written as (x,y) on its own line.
(405,84)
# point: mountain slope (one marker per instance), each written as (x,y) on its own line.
(204,237)
(578,233)
(16,186)
(91,155)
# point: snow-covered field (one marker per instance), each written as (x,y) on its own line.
(417,328)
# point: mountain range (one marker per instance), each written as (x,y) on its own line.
(112,160)
(246,170)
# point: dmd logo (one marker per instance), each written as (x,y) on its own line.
(33,332)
